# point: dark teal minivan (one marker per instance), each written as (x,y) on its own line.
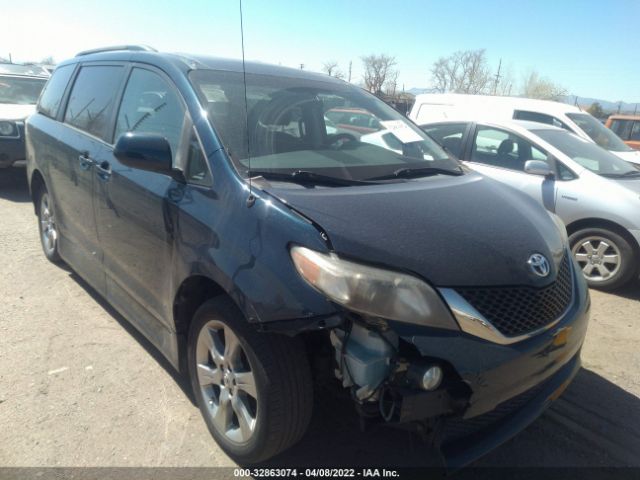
(260,249)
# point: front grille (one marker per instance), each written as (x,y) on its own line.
(519,310)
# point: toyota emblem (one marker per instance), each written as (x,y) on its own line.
(539,265)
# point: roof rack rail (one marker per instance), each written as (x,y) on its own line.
(133,48)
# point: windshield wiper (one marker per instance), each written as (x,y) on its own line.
(630,173)
(306,176)
(419,172)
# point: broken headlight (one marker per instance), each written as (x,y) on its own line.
(372,291)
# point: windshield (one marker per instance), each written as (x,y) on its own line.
(587,154)
(322,127)
(598,132)
(20,90)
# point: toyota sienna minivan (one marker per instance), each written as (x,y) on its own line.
(261,252)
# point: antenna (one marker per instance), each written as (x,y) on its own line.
(251,199)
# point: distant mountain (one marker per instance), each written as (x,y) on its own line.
(607,105)
(418,91)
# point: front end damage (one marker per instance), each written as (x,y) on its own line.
(465,394)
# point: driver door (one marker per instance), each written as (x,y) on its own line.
(502,154)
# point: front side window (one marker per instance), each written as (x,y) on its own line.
(634,136)
(54,90)
(449,135)
(197,170)
(588,154)
(598,132)
(301,124)
(151,105)
(92,99)
(20,90)
(500,148)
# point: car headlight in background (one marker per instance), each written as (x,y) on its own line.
(8,129)
(372,291)
(562,228)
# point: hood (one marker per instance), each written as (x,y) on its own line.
(451,231)
(630,184)
(632,156)
(15,112)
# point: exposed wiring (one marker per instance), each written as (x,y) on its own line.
(387,418)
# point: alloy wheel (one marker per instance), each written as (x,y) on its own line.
(48,231)
(598,257)
(227,382)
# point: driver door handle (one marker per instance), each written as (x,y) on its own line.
(104,170)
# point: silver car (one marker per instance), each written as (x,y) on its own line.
(595,193)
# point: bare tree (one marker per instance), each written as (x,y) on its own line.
(464,71)
(331,68)
(391,83)
(378,70)
(535,86)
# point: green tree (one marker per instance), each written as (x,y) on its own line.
(596,110)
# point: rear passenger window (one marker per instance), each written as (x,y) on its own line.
(150,105)
(54,90)
(92,99)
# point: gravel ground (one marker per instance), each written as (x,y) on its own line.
(80,387)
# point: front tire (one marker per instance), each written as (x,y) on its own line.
(253,389)
(47,226)
(607,260)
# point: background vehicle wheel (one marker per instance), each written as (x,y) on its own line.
(607,260)
(254,389)
(47,226)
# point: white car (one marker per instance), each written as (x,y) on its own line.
(435,107)
(20,87)
(595,194)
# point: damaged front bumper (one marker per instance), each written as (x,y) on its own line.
(499,389)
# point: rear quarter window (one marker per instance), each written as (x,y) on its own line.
(51,96)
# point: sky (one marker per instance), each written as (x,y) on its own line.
(590,47)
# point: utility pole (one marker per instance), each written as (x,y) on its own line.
(575,102)
(619,106)
(302,66)
(635,110)
(350,64)
(10,61)
(495,85)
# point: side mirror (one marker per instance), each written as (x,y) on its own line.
(538,167)
(145,151)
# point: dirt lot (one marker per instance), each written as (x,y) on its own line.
(80,387)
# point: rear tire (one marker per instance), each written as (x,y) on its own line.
(256,402)
(49,235)
(607,260)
